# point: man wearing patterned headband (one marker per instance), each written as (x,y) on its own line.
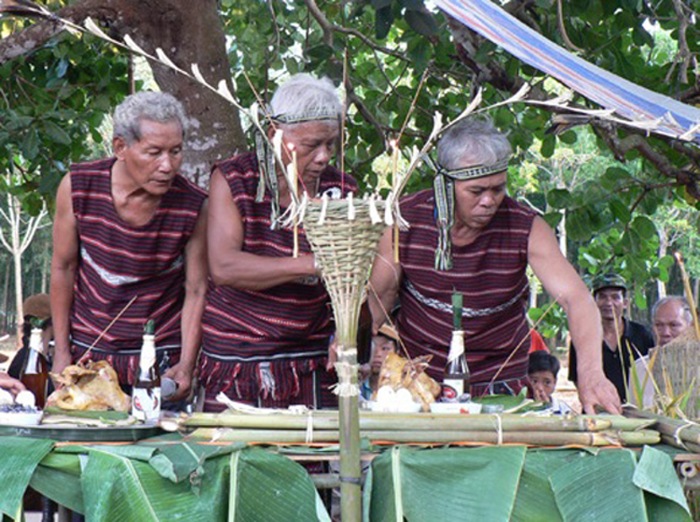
(467,235)
(268,322)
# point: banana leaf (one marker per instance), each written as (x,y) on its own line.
(268,487)
(118,488)
(449,483)
(656,475)
(20,458)
(58,477)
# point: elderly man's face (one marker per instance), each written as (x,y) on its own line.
(611,302)
(152,161)
(477,200)
(670,321)
(314,143)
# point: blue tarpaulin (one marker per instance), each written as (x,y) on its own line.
(655,112)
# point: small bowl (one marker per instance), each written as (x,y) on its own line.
(21,418)
(413,407)
(455,407)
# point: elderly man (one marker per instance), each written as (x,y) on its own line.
(623,340)
(129,245)
(267,324)
(671,317)
(467,235)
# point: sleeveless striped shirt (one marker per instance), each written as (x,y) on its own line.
(118,261)
(490,273)
(287,327)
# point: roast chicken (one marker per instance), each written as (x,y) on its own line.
(94,386)
(399,372)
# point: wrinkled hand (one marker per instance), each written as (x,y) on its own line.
(597,390)
(332,355)
(12,385)
(61,359)
(182,375)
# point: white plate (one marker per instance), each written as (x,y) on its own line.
(20,418)
(455,407)
(413,407)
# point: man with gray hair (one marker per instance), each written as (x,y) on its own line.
(267,323)
(129,246)
(466,235)
(671,317)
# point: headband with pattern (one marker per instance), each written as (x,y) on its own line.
(443,186)
(266,156)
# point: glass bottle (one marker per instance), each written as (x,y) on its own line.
(456,380)
(35,370)
(145,401)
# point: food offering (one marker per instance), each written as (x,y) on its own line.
(404,386)
(93,387)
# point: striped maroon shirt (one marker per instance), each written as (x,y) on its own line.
(289,325)
(488,272)
(118,261)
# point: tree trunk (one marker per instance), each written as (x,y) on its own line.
(189,33)
(17,263)
(6,298)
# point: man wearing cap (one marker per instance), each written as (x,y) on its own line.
(268,322)
(623,340)
(467,235)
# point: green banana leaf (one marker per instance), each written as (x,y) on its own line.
(118,488)
(656,475)
(466,484)
(58,477)
(267,487)
(20,458)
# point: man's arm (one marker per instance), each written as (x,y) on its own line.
(384,282)
(228,264)
(64,263)
(561,282)
(193,306)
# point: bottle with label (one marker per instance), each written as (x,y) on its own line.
(145,401)
(35,371)
(456,380)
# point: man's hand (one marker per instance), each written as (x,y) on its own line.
(61,359)
(182,375)
(332,355)
(12,385)
(597,390)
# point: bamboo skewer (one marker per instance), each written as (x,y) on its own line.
(103,332)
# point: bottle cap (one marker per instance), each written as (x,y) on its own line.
(150,327)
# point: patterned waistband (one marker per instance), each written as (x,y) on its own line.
(84,347)
(466,312)
(265,358)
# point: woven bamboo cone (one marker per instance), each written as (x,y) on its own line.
(344,249)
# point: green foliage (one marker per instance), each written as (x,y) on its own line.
(52,104)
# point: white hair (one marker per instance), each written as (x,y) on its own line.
(160,107)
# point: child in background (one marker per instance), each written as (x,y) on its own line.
(382,343)
(542,370)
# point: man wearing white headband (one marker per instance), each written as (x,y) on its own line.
(268,321)
(467,235)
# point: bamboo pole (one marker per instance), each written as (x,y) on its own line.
(563,438)
(680,432)
(325,420)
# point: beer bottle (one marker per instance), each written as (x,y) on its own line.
(456,380)
(35,370)
(145,402)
